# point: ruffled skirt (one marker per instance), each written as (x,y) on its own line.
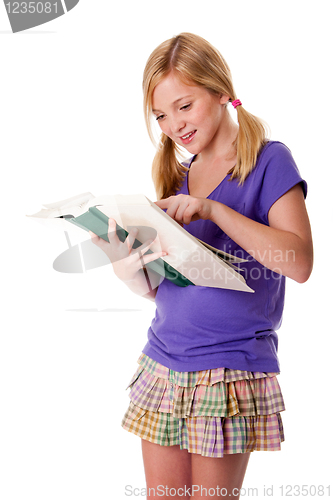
(209,412)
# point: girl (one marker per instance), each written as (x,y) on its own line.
(205,394)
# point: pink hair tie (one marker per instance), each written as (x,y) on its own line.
(236,103)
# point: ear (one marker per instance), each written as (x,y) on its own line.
(224,99)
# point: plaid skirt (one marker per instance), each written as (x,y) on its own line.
(209,412)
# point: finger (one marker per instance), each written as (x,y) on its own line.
(179,209)
(163,203)
(150,257)
(112,230)
(171,204)
(94,238)
(173,207)
(188,214)
(188,210)
(141,250)
(131,238)
(144,247)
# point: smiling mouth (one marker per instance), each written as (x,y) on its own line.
(188,137)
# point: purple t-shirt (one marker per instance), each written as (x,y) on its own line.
(201,328)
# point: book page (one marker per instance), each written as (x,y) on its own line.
(227,256)
(76,201)
(185,253)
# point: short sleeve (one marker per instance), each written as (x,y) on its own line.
(277,173)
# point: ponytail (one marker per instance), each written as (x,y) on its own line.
(252,136)
(167,172)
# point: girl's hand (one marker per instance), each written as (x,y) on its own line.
(185,208)
(126,262)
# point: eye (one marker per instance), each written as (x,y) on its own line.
(159,117)
(187,106)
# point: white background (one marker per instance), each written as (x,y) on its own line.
(71,121)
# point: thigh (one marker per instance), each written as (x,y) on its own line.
(217,477)
(166,468)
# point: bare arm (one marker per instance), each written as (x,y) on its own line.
(284,246)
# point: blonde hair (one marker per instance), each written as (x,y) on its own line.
(195,60)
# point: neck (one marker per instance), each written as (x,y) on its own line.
(221,148)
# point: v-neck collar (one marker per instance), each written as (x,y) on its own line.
(186,184)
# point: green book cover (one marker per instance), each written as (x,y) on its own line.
(97,222)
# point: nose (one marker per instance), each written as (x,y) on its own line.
(177,123)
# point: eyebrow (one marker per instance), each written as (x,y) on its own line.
(174,103)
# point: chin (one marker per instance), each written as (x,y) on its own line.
(193,150)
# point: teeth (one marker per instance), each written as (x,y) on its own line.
(186,136)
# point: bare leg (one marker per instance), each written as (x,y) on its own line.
(167,468)
(211,475)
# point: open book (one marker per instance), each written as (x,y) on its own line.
(189,261)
